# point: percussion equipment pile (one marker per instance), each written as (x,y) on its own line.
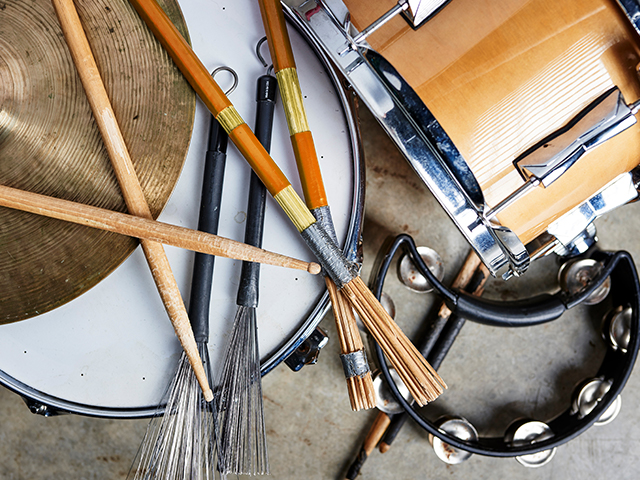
(356,367)
(546,143)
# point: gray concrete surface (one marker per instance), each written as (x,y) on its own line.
(494,375)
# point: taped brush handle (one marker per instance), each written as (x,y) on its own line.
(250,276)
(208,221)
(422,381)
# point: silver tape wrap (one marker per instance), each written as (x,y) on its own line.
(355,364)
(323,217)
(329,255)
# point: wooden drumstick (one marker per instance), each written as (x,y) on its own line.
(422,381)
(143,228)
(131,189)
(378,427)
(359,386)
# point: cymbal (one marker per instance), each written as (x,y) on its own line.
(50,144)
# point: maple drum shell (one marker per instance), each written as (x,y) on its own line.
(499,76)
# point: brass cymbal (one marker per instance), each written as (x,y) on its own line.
(50,144)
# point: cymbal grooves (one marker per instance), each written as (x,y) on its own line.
(50,144)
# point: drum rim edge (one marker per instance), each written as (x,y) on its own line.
(54,405)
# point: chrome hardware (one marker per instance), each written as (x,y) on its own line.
(401,6)
(460,428)
(413,129)
(548,160)
(576,274)
(579,244)
(631,9)
(616,328)
(385,401)
(589,394)
(528,432)
(569,228)
(421,10)
(39,408)
(415,11)
(604,118)
(412,278)
(307,353)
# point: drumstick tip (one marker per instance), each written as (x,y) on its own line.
(314,268)
(208,395)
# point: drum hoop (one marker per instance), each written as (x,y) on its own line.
(49,405)
(631,9)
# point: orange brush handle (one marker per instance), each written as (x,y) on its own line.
(259,159)
(301,139)
(277,34)
(309,170)
(211,94)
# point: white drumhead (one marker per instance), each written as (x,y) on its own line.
(112,351)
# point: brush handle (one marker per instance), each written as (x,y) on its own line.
(250,276)
(208,220)
(292,100)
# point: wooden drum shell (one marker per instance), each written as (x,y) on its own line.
(500,76)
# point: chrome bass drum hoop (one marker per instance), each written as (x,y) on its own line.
(49,405)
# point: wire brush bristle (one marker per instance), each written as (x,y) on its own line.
(242,431)
(180,442)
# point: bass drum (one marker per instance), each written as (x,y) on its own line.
(112,352)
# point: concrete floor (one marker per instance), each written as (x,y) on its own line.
(494,375)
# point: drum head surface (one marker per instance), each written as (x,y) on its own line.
(112,351)
(50,143)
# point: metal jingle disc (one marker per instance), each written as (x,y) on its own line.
(50,143)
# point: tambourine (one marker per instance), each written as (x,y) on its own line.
(523,128)
(602,389)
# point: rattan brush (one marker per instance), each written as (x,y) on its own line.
(422,381)
(356,366)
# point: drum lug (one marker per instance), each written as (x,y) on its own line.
(38,408)
(308,351)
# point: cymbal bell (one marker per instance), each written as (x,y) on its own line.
(50,144)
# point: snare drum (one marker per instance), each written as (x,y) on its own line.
(478,84)
(112,351)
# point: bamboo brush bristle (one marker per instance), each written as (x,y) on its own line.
(360,388)
(424,384)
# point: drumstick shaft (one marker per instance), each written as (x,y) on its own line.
(423,382)
(146,229)
(131,189)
